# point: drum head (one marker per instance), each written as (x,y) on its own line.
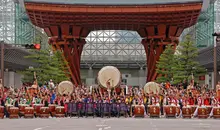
(65,87)
(109,74)
(151,87)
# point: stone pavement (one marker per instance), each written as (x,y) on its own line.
(109,124)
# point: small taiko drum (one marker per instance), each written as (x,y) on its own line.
(13,112)
(29,112)
(194,107)
(1,112)
(52,108)
(139,111)
(170,111)
(209,109)
(22,108)
(44,112)
(154,111)
(216,112)
(60,111)
(37,109)
(202,112)
(187,112)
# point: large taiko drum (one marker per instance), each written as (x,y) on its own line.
(29,112)
(1,112)
(111,75)
(13,111)
(170,111)
(60,111)
(44,112)
(202,112)
(154,111)
(187,112)
(216,112)
(152,87)
(139,111)
(65,87)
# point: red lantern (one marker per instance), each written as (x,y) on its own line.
(202,77)
(37,46)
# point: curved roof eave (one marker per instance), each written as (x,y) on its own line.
(114,2)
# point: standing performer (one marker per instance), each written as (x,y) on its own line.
(190,87)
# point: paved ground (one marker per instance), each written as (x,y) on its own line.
(109,124)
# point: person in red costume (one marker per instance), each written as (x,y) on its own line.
(206,101)
(191,100)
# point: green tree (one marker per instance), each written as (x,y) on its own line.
(186,64)
(165,65)
(48,66)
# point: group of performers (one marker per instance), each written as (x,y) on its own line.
(135,101)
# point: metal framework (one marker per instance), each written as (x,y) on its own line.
(116,47)
(25,31)
(7,24)
(15,27)
(202,32)
(217,14)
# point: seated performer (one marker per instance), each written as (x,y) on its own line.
(155,100)
(200,101)
(214,103)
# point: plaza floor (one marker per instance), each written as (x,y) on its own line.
(109,124)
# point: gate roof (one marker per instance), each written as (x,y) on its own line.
(113,2)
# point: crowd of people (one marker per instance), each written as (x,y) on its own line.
(167,95)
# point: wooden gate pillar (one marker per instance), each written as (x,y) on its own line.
(70,41)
